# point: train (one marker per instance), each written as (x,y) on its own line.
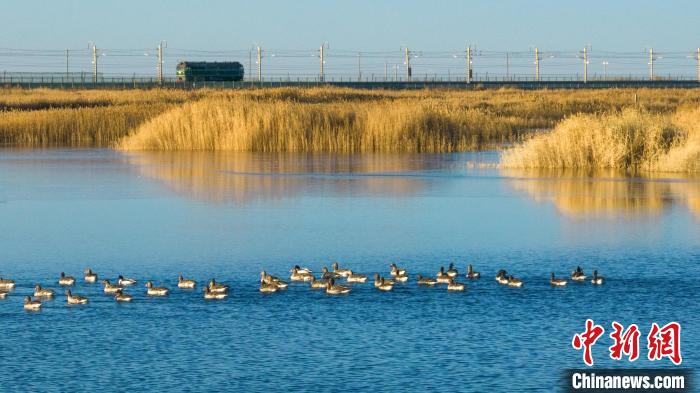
(209,71)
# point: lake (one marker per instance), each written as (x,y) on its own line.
(153,216)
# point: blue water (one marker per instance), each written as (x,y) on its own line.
(153,216)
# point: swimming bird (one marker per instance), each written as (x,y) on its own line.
(378,280)
(557,282)
(3,294)
(401,278)
(334,289)
(120,296)
(66,280)
(75,299)
(215,287)
(270,279)
(327,275)
(185,284)
(6,284)
(578,275)
(125,281)
(303,270)
(502,277)
(353,277)
(209,295)
(340,272)
(471,274)
(111,288)
(90,276)
(268,287)
(441,277)
(155,291)
(452,271)
(384,285)
(31,305)
(42,292)
(318,284)
(514,282)
(299,275)
(597,280)
(396,271)
(455,286)
(425,280)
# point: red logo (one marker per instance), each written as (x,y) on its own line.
(587,339)
(665,342)
(625,343)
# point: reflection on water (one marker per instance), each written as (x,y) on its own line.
(245,177)
(607,193)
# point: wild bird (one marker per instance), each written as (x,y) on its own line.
(125,281)
(378,280)
(66,280)
(73,299)
(42,292)
(335,289)
(327,275)
(90,276)
(455,286)
(155,291)
(502,277)
(425,281)
(300,275)
(401,278)
(557,282)
(31,305)
(303,270)
(182,283)
(272,280)
(6,284)
(471,274)
(318,284)
(215,287)
(209,295)
(120,296)
(442,277)
(358,278)
(340,272)
(396,271)
(111,288)
(385,285)
(514,282)
(578,275)
(452,271)
(268,287)
(597,280)
(3,294)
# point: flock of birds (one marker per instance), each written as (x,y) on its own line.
(269,283)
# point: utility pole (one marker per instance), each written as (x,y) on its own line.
(250,62)
(386,66)
(407,60)
(585,65)
(359,66)
(651,64)
(67,56)
(94,64)
(259,64)
(537,64)
(507,66)
(159,68)
(698,59)
(469,64)
(396,72)
(322,62)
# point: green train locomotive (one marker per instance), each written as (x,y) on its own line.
(209,71)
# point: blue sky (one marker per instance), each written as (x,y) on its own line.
(357,24)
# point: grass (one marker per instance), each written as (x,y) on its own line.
(631,140)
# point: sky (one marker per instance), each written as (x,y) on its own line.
(352,25)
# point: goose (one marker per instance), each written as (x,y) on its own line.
(425,280)
(185,284)
(298,275)
(327,275)
(385,285)
(502,277)
(514,282)
(31,305)
(451,271)
(356,277)
(395,271)
(557,282)
(120,296)
(400,278)
(268,287)
(334,289)
(303,270)
(66,280)
(441,277)
(3,294)
(378,280)
(340,272)
(75,299)
(318,284)
(578,275)
(6,284)
(455,286)
(125,281)
(471,274)
(155,291)
(215,287)
(597,280)
(209,295)
(42,292)
(270,279)
(111,288)
(90,276)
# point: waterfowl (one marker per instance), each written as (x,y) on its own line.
(401,278)
(125,281)
(6,284)
(502,277)
(155,291)
(66,280)
(578,275)
(597,280)
(215,287)
(425,280)
(3,294)
(120,296)
(318,284)
(455,286)
(42,292)
(471,274)
(111,288)
(185,284)
(441,277)
(270,279)
(451,271)
(327,275)
(514,282)
(395,271)
(340,272)
(385,285)
(557,282)
(352,277)
(209,295)
(31,305)
(334,289)
(303,270)
(378,280)
(75,299)
(90,276)
(299,275)
(268,287)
